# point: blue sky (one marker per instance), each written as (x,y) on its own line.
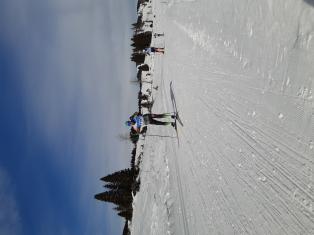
(64,96)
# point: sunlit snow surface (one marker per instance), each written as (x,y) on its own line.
(243,74)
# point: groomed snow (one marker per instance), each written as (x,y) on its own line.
(243,74)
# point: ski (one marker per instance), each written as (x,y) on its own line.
(175,110)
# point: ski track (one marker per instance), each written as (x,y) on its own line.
(243,81)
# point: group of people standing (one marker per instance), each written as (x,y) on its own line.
(138,121)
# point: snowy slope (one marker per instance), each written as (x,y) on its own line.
(243,74)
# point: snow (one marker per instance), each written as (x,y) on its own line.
(243,77)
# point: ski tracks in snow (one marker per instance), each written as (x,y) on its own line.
(243,136)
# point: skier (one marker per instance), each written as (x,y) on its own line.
(137,121)
(158,35)
(152,50)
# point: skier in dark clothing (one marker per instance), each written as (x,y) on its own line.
(158,34)
(138,121)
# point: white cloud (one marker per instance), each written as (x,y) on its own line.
(10,222)
(75,63)
(75,57)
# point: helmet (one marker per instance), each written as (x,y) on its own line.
(128,123)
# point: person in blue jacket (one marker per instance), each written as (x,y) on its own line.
(152,50)
(137,120)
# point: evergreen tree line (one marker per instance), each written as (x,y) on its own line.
(141,39)
(120,188)
(122,185)
(139,42)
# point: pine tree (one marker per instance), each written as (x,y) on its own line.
(121,208)
(138,58)
(142,40)
(119,176)
(115,197)
(126,214)
(122,187)
(133,154)
(126,230)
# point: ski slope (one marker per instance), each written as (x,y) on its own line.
(243,75)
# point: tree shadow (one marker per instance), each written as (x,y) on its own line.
(310,2)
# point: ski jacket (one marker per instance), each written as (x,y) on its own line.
(149,50)
(137,121)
